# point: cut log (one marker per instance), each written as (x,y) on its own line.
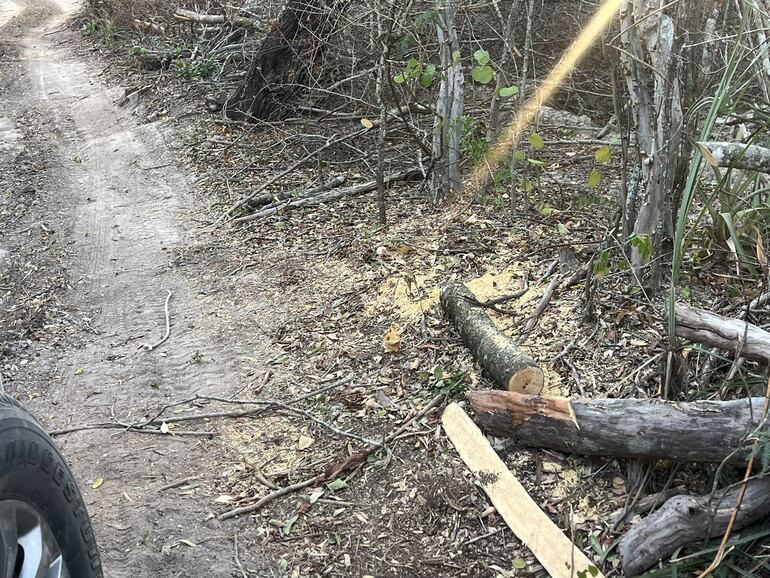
(698,431)
(496,352)
(736,155)
(687,519)
(557,553)
(190,16)
(723,332)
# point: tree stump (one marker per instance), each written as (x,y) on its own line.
(288,58)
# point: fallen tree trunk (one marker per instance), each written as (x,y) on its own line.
(733,335)
(190,16)
(496,352)
(326,196)
(687,519)
(698,431)
(736,155)
(274,199)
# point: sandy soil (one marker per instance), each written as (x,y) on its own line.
(108,212)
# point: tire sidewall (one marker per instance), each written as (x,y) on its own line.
(32,470)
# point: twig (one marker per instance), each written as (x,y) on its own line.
(353,461)
(563,352)
(178,483)
(168,326)
(237,558)
(142,427)
(129,428)
(511,297)
(267,499)
(279,404)
(247,199)
(493,303)
(541,306)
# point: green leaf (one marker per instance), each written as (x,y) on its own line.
(536,141)
(399,79)
(456,56)
(337,484)
(603,155)
(563,231)
(685,293)
(426,78)
(594,178)
(405,42)
(483,74)
(601,265)
(519,155)
(545,210)
(519,563)
(423,19)
(482,57)
(412,68)
(286,530)
(593,570)
(527,186)
(643,245)
(536,163)
(508,91)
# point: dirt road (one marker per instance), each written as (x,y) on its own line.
(95,213)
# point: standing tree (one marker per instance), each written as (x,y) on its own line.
(447,126)
(659,53)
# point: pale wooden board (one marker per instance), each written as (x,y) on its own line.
(525,518)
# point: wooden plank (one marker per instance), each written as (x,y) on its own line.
(529,523)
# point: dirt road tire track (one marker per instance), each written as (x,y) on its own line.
(120,224)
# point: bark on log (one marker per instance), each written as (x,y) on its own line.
(190,16)
(736,155)
(286,60)
(496,352)
(698,431)
(687,519)
(723,332)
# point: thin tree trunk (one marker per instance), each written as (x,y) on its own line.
(447,127)
(381,71)
(651,65)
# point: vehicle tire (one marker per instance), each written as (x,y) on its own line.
(43,520)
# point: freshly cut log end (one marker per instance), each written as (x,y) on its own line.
(510,367)
(527,380)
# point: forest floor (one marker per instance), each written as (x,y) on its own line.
(107,203)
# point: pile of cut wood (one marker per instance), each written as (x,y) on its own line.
(698,431)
